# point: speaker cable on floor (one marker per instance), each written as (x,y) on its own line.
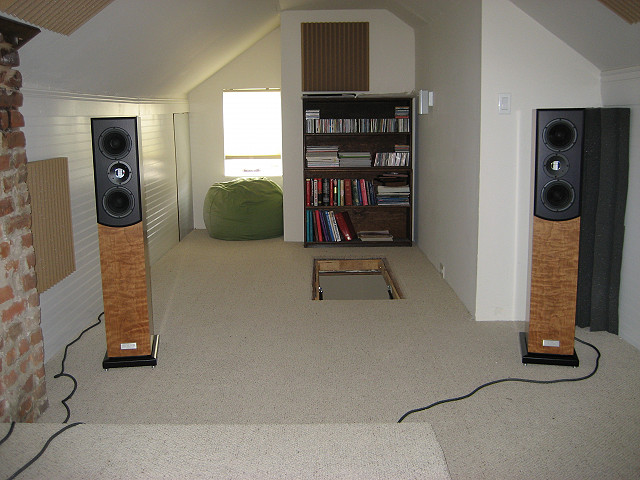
(64,374)
(64,402)
(511,379)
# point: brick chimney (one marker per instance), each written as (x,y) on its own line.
(22,382)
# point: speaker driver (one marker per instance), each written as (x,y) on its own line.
(115,143)
(119,173)
(560,135)
(558,195)
(556,165)
(118,202)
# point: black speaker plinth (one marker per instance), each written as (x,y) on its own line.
(150,360)
(546,358)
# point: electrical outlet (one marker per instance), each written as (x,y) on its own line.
(441,270)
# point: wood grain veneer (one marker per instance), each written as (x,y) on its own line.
(125,290)
(554,279)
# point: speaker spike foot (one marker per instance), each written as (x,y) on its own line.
(546,358)
(150,360)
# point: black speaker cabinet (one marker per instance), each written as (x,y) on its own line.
(556,235)
(124,264)
(116,171)
(558,163)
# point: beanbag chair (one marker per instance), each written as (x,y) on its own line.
(244,209)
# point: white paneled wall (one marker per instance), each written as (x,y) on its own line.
(160,184)
(60,125)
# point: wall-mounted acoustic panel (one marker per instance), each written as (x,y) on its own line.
(335,56)
(604,198)
(48,182)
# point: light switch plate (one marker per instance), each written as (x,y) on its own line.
(504,103)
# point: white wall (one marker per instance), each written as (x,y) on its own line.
(519,57)
(446,207)
(620,89)
(392,70)
(257,67)
(60,125)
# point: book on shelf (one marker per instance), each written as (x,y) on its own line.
(345,226)
(393,195)
(354,159)
(312,114)
(338,192)
(402,111)
(322,156)
(375,236)
(392,179)
(328,226)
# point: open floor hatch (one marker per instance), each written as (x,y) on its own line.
(353,279)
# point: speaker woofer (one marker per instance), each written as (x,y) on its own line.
(558,195)
(115,143)
(118,202)
(560,135)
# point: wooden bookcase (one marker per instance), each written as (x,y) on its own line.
(380,129)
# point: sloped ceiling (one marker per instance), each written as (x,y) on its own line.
(147,48)
(164,48)
(590,28)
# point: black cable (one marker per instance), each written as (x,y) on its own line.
(6,437)
(63,374)
(510,379)
(30,462)
(64,402)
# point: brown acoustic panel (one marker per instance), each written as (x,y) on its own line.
(554,279)
(48,183)
(125,290)
(61,16)
(629,10)
(335,56)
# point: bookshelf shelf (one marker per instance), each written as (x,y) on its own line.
(358,184)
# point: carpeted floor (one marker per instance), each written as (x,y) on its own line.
(242,344)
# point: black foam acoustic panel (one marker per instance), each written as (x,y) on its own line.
(604,195)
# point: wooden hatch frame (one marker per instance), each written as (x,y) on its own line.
(353,266)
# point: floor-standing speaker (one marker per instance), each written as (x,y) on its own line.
(124,263)
(556,237)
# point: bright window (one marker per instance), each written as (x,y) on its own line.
(252,133)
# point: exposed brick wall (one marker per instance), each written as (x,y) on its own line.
(22,383)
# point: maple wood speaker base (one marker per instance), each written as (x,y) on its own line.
(546,358)
(150,360)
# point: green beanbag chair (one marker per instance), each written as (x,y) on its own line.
(244,209)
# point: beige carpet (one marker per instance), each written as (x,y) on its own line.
(242,344)
(299,452)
